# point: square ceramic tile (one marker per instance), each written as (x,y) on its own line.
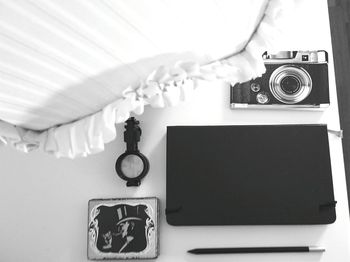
(125,228)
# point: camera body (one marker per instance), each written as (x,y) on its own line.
(296,79)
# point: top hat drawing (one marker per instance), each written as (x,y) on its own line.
(128,213)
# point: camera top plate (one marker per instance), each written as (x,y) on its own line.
(307,57)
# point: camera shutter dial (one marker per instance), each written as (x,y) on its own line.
(262,98)
(255,87)
(290,84)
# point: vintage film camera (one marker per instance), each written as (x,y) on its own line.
(295,79)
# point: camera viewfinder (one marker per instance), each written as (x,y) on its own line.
(305,58)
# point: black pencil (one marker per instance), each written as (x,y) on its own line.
(236,250)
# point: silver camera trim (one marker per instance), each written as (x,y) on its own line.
(286,57)
(276,106)
(300,74)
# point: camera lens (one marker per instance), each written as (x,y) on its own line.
(290,84)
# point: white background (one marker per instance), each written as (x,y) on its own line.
(43,215)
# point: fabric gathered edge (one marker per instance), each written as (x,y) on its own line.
(165,86)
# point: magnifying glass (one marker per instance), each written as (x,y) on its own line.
(132,166)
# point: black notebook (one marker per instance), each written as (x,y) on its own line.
(249,175)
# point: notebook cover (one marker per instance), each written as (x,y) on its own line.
(249,175)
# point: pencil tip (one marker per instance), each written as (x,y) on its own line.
(191,251)
(316,249)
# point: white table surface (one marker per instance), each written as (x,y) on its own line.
(43,201)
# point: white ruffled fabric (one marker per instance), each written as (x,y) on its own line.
(164,87)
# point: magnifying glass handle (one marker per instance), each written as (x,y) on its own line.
(134,182)
(132,134)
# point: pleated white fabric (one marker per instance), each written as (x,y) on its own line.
(165,86)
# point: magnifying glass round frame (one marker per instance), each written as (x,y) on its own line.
(132,181)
